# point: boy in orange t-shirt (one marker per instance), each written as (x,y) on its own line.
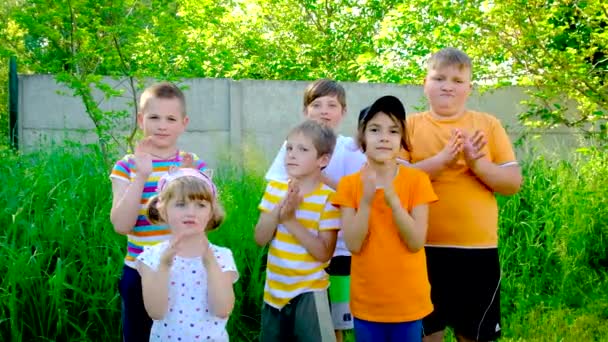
(384,210)
(469,157)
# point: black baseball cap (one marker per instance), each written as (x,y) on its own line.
(386,104)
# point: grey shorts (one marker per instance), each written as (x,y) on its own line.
(305,319)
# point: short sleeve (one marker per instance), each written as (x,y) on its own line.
(272,196)
(422,191)
(226,260)
(354,158)
(200,164)
(345,195)
(501,148)
(122,169)
(151,255)
(277,171)
(330,218)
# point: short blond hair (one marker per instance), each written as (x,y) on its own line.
(449,57)
(162,90)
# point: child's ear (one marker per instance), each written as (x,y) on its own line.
(140,120)
(324,160)
(208,173)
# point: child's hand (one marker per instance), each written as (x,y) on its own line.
(291,203)
(368,177)
(187,161)
(166,259)
(390,196)
(473,147)
(143,158)
(451,151)
(208,256)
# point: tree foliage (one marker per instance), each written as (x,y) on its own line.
(557,47)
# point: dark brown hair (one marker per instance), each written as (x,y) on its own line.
(324,87)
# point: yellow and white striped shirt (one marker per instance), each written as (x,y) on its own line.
(291,270)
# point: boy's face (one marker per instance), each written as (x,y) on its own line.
(382,138)
(301,156)
(447,89)
(326,110)
(163,121)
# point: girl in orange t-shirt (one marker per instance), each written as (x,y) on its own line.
(384,212)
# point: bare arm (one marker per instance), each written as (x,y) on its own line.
(155,290)
(412,228)
(505,180)
(355,226)
(267,226)
(126,199)
(433,166)
(321,247)
(220,293)
(328,181)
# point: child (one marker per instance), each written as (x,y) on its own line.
(187,282)
(325,102)
(301,226)
(384,211)
(162,117)
(469,157)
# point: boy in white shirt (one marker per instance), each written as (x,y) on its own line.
(325,102)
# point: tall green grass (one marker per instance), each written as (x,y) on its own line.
(61,259)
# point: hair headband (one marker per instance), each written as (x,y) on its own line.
(175,173)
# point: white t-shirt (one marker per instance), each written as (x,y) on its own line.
(346,159)
(188,317)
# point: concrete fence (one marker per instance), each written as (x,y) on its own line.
(225,114)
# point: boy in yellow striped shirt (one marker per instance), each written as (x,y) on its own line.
(301,225)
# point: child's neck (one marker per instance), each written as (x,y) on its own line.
(448,116)
(191,247)
(386,170)
(308,183)
(164,153)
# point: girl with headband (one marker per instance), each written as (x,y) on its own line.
(187,281)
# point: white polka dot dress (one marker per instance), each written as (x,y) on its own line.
(188,318)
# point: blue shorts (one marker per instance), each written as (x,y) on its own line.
(136,324)
(366,331)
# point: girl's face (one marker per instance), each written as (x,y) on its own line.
(382,138)
(186,214)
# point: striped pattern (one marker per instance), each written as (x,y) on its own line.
(346,159)
(144,233)
(291,270)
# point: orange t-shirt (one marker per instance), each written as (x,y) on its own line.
(466,214)
(388,282)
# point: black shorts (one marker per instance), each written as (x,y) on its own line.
(339,266)
(465,290)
